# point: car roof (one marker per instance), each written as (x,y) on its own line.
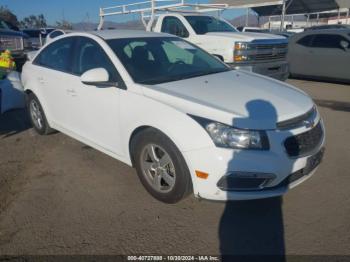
(344,32)
(120,33)
(341,31)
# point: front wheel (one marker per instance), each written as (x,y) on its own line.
(161,166)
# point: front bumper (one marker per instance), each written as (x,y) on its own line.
(278,70)
(287,172)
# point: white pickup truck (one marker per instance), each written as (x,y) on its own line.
(255,52)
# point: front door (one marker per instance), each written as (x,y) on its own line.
(96,114)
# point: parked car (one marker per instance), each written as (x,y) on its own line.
(17,42)
(320,54)
(35,37)
(38,36)
(325,27)
(55,33)
(184,119)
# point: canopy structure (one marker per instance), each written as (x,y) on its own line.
(302,7)
(248,3)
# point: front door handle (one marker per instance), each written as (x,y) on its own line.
(71,92)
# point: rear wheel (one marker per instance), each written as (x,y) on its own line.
(37,115)
(161,166)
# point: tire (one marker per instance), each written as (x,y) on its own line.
(37,116)
(171,178)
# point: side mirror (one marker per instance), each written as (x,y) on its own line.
(96,77)
(344,45)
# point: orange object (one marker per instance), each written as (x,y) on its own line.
(201,174)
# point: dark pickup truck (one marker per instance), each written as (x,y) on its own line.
(15,41)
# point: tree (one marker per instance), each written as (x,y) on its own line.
(34,21)
(7,15)
(64,24)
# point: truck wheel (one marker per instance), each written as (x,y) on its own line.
(161,166)
(37,116)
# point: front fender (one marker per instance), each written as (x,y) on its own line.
(137,110)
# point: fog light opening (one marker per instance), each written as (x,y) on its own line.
(244,181)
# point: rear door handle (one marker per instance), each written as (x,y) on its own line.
(41,80)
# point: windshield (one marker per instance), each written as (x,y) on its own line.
(156,60)
(206,24)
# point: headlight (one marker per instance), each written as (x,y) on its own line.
(241,46)
(230,137)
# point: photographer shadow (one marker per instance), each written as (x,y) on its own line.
(253,227)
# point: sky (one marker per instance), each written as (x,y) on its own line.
(79,10)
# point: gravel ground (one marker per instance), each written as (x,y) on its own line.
(58,196)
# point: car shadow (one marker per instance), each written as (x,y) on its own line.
(14,122)
(253,228)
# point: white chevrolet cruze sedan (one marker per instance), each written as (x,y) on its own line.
(182,118)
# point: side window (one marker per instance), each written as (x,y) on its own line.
(172,25)
(57,55)
(306,40)
(90,55)
(328,41)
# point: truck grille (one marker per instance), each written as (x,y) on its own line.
(304,143)
(11,43)
(270,52)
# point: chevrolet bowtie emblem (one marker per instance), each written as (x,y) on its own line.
(309,123)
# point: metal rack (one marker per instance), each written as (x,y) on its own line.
(148,9)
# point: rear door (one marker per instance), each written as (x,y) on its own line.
(52,73)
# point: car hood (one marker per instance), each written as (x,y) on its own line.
(247,36)
(244,100)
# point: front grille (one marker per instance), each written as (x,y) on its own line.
(304,143)
(271,46)
(262,57)
(270,51)
(11,43)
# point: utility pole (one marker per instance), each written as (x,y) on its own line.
(150,22)
(283,16)
(247,17)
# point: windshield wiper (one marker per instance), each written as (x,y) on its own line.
(154,81)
